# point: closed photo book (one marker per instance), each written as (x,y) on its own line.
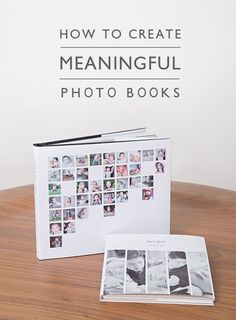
(155,268)
(88,187)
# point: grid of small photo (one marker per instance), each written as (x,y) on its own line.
(157,272)
(121,172)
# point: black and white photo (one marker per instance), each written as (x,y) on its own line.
(156,272)
(115,272)
(199,273)
(178,273)
(136,271)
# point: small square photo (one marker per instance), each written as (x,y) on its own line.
(122,196)
(159,167)
(68,161)
(109,185)
(109,198)
(96,199)
(69,214)
(54,189)
(122,170)
(54,175)
(55,228)
(109,210)
(83,213)
(122,183)
(82,187)
(134,182)
(148,155)
(55,215)
(56,242)
(82,160)
(68,174)
(147,194)
(95,159)
(135,169)
(69,227)
(53,162)
(82,200)
(160,154)
(135,156)
(54,202)
(109,158)
(82,174)
(96,186)
(69,201)
(109,171)
(147,181)
(122,157)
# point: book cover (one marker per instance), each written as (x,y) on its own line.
(156,269)
(87,189)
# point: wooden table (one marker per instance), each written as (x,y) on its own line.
(69,288)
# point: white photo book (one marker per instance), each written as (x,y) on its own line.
(88,187)
(156,268)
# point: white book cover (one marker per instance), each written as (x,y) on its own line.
(89,187)
(157,269)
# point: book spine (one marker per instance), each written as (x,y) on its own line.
(103,273)
(36,200)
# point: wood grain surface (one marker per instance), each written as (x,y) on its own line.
(69,288)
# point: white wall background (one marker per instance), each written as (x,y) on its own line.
(202,123)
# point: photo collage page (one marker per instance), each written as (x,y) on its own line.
(157,272)
(121,172)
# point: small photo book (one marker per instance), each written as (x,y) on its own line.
(88,187)
(155,268)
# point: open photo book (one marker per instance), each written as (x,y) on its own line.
(88,187)
(155,268)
